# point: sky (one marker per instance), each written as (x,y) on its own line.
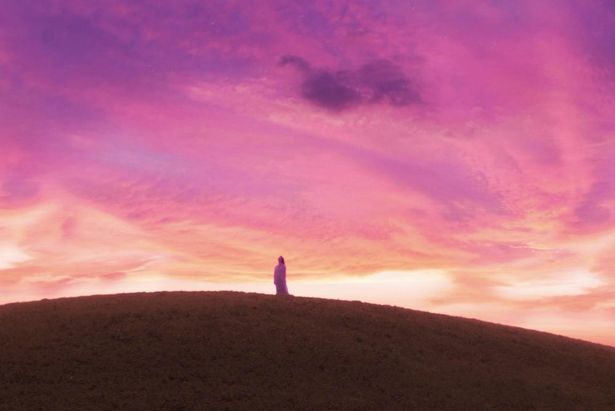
(448,156)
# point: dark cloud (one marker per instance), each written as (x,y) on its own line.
(386,81)
(328,90)
(379,81)
(296,61)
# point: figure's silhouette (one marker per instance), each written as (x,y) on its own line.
(279,277)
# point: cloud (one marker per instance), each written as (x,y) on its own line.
(11,255)
(296,61)
(571,283)
(113,276)
(327,89)
(378,81)
(386,81)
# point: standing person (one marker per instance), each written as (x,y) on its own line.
(279,277)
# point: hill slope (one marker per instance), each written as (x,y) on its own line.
(204,350)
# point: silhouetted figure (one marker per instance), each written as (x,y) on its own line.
(279,277)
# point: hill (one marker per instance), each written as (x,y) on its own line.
(226,350)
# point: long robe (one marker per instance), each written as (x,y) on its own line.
(279,279)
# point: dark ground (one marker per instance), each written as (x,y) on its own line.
(224,350)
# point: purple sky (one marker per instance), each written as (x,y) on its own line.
(452,156)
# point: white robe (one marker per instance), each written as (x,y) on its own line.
(279,279)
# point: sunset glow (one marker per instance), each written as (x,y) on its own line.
(448,156)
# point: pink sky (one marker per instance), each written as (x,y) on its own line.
(449,156)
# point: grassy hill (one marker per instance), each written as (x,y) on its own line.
(226,350)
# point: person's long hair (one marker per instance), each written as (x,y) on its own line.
(281,260)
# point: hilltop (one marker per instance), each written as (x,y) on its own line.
(227,350)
